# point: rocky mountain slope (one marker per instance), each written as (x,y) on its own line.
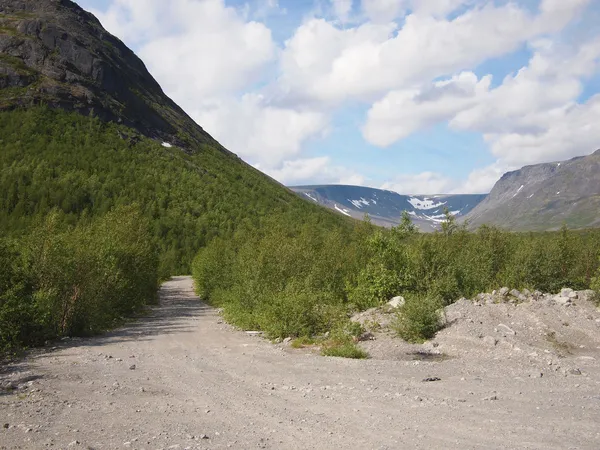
(544,197)
(54,52)
(84,127)
(386,207)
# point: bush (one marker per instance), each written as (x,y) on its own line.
(283,280)
(419,319)
(62,280)
(344,350)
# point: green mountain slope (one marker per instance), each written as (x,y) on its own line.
(84,128)
(51,158)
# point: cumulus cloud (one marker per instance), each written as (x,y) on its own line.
(400,113)
(421,183)
(532,116)
(324,63)
(312,171)
(382,10)
(195,48)
(261,133)
(410,62)
(203,54)
(342,8)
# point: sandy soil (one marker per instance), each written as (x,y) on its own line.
(181,378)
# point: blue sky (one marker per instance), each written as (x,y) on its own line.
(413,96)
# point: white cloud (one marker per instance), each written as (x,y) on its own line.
(570,131)
(257,131)
(421,183)
(312,171)
(437,8)
(481,181)
(533,116)
(382,10)
(342,8)
(210,57)
(400,113)
(195,48)
(324,63)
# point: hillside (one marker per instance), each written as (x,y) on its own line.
(386,207)
(544,197)
(84,128)
(54,52)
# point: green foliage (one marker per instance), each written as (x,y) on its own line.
(303,341)
(344,350)
(419,319)
(301,281)
(78,280)
(81,165)
(387,271)
(283,279)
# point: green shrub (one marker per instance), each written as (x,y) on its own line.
(344,350)
(75,280)
(419,319)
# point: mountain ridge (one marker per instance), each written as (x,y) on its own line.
(386,207)
(545,196)
(85,128)
(54,52)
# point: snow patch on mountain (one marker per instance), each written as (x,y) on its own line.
(424,204)
(519,190)
(311,197)
(439,218)
(360,203)
(343,211)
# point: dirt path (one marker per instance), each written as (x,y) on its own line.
(197,383)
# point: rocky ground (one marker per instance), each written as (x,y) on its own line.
(507,372)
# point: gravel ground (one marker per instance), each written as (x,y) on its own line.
(181,378)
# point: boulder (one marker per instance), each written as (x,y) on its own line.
(566,292)
(562,300)
(397,302)
(515,293)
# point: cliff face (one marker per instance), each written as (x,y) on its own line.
(55,53)
(544,197)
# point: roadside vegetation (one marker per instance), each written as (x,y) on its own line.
(93,216)
(64,280)
(305,282)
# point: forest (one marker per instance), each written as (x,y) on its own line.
(94,216)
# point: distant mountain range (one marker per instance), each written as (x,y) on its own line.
(386,207)
(540,197)
(544,197)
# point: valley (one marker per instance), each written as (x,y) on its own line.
(385,208)
(158,291)
(182,378)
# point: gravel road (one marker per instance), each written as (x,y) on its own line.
(181,378)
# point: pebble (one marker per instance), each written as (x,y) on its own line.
(132,367)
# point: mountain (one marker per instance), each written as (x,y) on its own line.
(84,127)
(544,197)
(54,52)
(386,207)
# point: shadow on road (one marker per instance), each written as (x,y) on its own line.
(171,315)
(177,305)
